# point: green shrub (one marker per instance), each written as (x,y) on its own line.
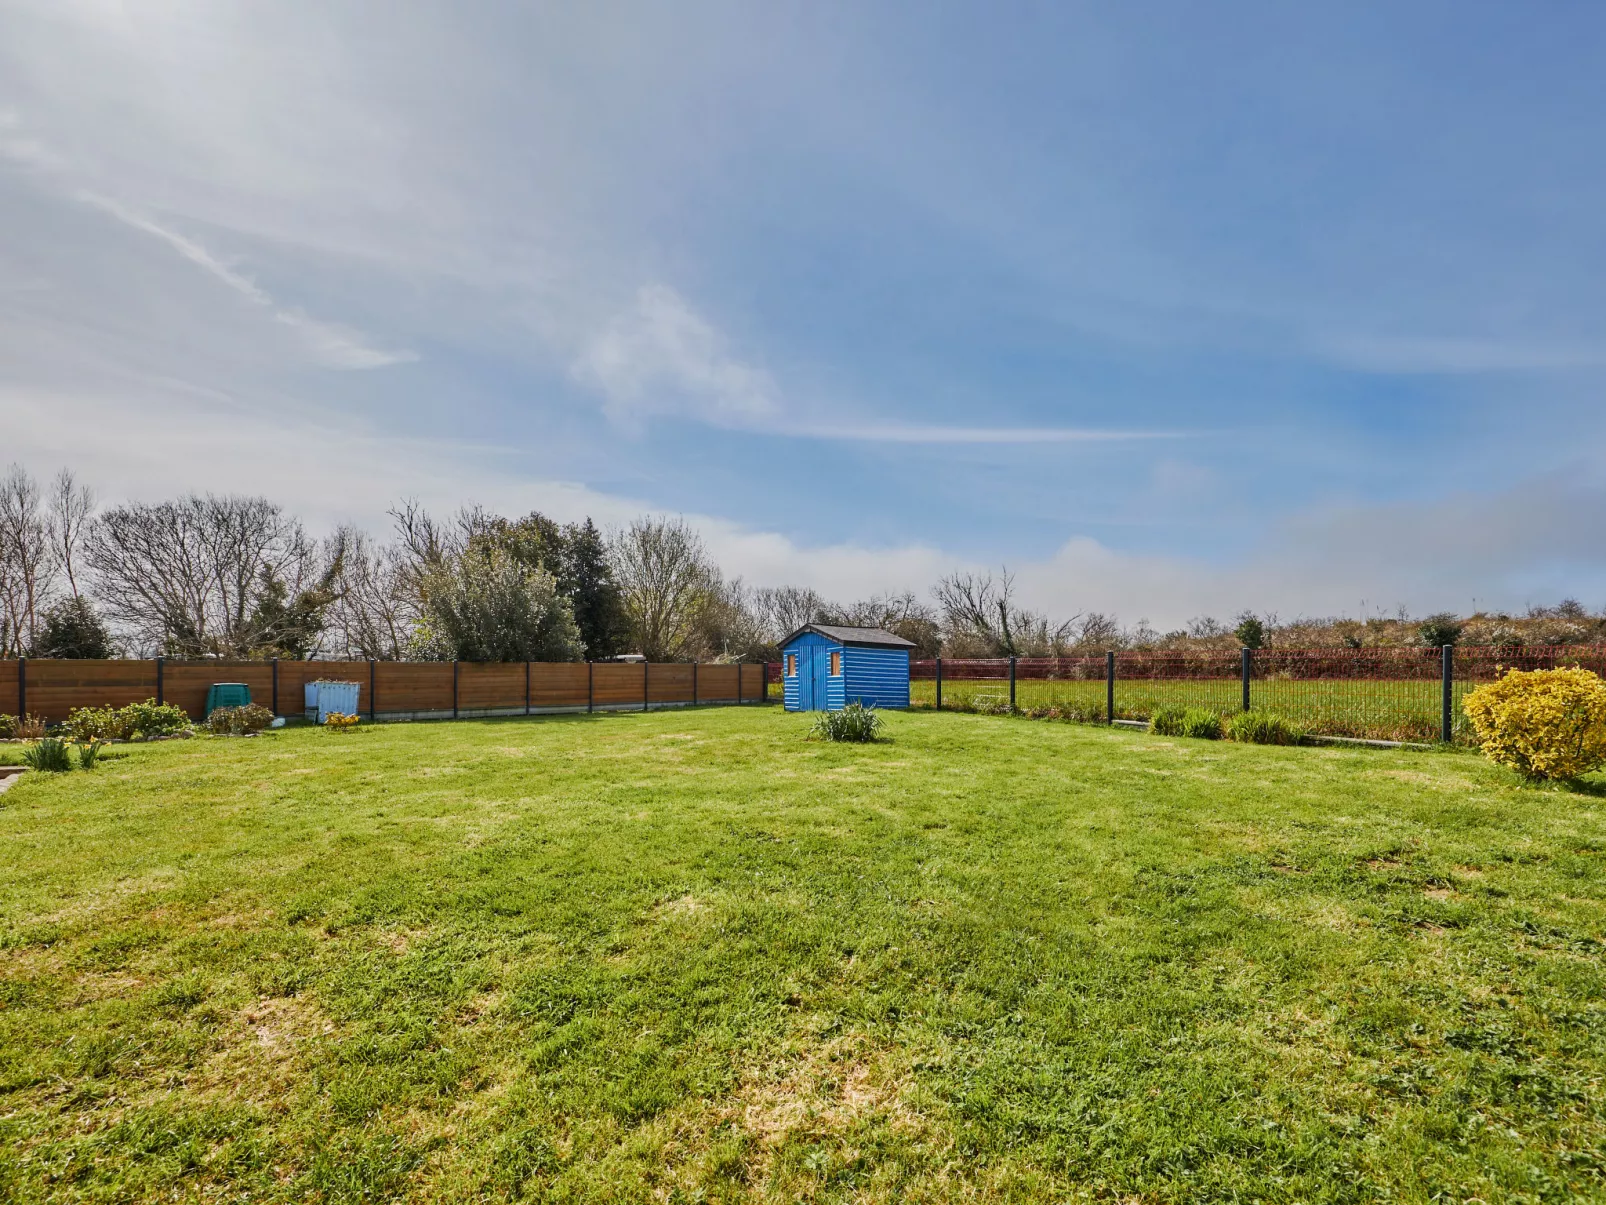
(151,718)
(1264,728)
(853,723)
(85,724)
(238,721)
(1201,723)
(1167,721)
(21,727)
(48,754)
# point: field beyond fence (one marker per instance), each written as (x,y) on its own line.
(51,689)
(1396,694)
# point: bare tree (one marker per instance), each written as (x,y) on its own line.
(979,614)
(71,506)
(665,578)
(379,605)
(202,576)
(782,610)
(28,563)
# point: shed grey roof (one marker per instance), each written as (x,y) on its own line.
(864,636)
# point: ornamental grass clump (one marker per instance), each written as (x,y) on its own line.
(48,754)
(1167,721)
(854,722)
(1543,723)
(1201,723)
(1264,728)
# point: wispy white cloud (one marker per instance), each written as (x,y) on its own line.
(333,345)
(918,434)
(660,356)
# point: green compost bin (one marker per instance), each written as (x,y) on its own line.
(227,694)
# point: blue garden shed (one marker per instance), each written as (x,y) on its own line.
(825,667)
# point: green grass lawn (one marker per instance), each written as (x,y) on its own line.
(691,956)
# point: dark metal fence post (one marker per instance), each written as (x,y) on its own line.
(454,689)
(373,694)
(159,695)
(526,688)
(591,686)
(1247,657)
(1012,684)
(939,683)
(275,686)
(1109,687)
(22,688)
(1447,719)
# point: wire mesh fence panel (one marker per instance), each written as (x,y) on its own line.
(1147,681)
(1070,688)
(979,684)
(1391,694)
(1478,664)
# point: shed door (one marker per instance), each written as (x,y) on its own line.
(805,677)
(820,663)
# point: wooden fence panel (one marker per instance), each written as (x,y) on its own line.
(185,683)
(619,683)
(670,683)
(8,688)
(483,686)
(55,688)
(716,684)
(411,686)
(559,684)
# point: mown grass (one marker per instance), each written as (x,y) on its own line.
(694,957)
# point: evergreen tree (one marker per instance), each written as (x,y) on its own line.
(72,629)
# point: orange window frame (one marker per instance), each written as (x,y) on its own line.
(791,665)
(836,663)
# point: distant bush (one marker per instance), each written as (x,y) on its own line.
(854,722)
(1441,629)
(1543,723)
(1264,728)
(1250,632)
(238,721)
(49,754)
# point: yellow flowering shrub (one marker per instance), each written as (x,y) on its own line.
(336,721)
(1543,723)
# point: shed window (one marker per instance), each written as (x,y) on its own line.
(836,663)
(791,665)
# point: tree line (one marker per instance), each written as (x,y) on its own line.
(231,576)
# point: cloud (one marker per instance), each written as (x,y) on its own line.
(661,357)
(333,345)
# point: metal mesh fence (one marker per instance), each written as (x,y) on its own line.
(1378,694)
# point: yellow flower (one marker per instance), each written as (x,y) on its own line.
(1543,723)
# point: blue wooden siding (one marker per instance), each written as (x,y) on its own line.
(876,677)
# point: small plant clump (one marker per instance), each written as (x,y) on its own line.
(1543,723)
(89,755)
(21,727)
(337,721)
(239,721)
(1264,728)
(48,754)
(855,722)
(1199,722)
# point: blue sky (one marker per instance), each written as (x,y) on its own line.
(1173,308)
